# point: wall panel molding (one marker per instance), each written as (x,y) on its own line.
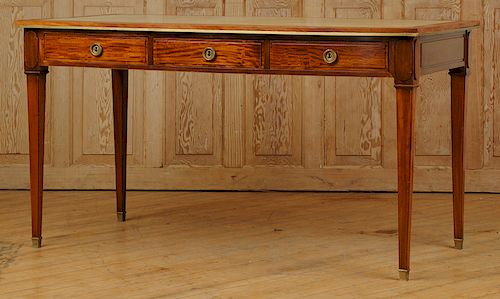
(250,132)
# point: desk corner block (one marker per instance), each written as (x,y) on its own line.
(403,62)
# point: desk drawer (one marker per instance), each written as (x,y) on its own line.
(94,49)
(207,53)
(329,56)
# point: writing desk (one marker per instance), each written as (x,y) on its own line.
(402,49)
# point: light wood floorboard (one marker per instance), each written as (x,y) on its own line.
(245,245)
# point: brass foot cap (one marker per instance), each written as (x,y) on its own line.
(120,216)
(459,243)
(404,274)
(37,242)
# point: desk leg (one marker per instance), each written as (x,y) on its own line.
(120,103)
(36,117)
(458,92)
(406,97)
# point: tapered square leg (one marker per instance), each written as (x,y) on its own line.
(458,92)
(120,106)
(406,97)
(36,116)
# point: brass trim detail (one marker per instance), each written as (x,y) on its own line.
(404,274)
(36,242)
(120,216)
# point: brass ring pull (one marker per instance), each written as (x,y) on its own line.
(330,56)
(96,50)
(209,54)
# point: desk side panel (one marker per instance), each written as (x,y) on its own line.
(443,52)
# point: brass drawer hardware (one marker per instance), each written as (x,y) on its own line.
(330,56)
(209,54)
(96,50)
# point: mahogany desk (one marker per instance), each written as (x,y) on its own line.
(404,50)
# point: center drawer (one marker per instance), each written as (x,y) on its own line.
(207,52)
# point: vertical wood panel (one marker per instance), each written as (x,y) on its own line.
(60,118)
(491,79)
(474,129)
(274,103)
(13,103)
(194,130)
(98,127)
(154,105)
(273,109)
(496,93)
(194,121)
(314,105)
(241,128)
(392,9)
(13,122)
(274,8)
(234,103)
(433,137)
(234,119)
(92,100)
(353,119)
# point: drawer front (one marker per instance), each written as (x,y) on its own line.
(329,56)
(94,49)
(207,53)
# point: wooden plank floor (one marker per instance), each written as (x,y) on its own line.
(245,245)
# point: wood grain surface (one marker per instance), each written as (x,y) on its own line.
(75,47)
(267,23)
(309,56)
(245,245)
(230,54)
(330,134)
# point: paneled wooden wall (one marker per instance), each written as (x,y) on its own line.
(214,131)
